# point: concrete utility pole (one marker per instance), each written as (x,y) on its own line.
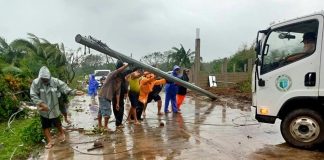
(197,59)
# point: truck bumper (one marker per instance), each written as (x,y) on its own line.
(263,118)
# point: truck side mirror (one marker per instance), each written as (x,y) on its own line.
(261,82)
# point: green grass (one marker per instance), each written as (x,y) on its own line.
(9,141)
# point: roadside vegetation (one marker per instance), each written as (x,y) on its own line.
(22,140)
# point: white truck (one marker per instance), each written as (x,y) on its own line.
(99,74)
(288,79)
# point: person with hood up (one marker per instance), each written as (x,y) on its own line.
(44,92)
(182,91)
(171,90)
(92,88)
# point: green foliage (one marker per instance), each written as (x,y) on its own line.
(12,90)
(166,60)
(77,83)
(8,102)
(11,141)
(33,132)
(11,70)
(181,57)
(8,106)
(94,62)
(154,59)
(244,86)
(240,58)
(31,64)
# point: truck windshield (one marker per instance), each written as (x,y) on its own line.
(289,44)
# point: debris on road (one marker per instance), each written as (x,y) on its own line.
(96,145)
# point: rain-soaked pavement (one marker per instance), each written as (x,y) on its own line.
(205,130)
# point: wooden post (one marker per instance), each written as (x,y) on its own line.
(222,68)
(250,65)
(234,67)
(225,71)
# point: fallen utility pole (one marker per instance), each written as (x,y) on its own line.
(103,48)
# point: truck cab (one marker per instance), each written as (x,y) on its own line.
(288,80)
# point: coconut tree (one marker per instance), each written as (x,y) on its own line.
(38,52)
(179,56)
(9,53)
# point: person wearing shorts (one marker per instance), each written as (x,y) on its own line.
(133,94)
(104,108)
(147,83)
(44,92)
(154,95)
(110,88)
(49,123)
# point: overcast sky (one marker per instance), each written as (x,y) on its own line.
(145,26)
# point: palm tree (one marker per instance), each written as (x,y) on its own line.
(9,53)
(30,55)
(181,57)
(37,52)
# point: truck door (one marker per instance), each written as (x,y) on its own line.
(290,63)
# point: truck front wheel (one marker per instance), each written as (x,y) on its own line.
(303,128)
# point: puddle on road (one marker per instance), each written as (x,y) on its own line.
(204,130)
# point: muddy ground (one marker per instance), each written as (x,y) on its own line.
(222,129)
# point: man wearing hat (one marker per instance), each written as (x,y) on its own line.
(309,40)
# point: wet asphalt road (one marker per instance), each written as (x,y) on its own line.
(205,130)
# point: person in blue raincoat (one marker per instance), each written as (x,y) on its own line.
(93,86)
(171,90)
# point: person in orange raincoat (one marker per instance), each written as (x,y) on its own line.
(147,83)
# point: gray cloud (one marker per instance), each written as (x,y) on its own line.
(144,26)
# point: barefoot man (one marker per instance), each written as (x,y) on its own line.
(44,92)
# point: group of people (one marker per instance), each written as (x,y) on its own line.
(142,87)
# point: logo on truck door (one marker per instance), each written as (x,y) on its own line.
(283,83)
